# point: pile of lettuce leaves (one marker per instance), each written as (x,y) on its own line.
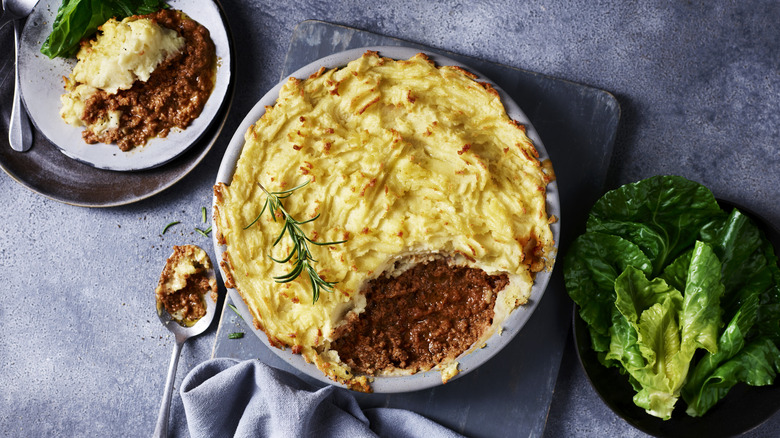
(79,19)
(678,294)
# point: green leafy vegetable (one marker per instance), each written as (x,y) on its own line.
(670,327)
(746,270)
(757,365)
(658,271)
(700,318)
(662,214)
(79,19)
(676,273)
(595,260)
(731,341)
(659,343)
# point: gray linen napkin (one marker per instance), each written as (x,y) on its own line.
(225,397)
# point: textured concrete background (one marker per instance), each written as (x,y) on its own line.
(81,350)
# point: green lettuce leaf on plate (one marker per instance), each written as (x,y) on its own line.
(79,19)
(757,364)
(662,214)
(669,327)
(598,259)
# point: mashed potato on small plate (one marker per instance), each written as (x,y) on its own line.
(125,52)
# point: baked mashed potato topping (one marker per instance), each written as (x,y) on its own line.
(124,52)
(405,159)
(140,78)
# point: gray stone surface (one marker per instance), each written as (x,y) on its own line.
(81,350)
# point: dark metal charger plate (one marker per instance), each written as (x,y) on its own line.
(46,170)
(509,395)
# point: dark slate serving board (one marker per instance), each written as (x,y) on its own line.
(509,395)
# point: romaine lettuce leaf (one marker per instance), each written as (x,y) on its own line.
(676,273)
(635,294)
(740,247)
(662,328)
(624,346)
(731,341)
(700,318)
(748,266)
(735,244)
(659,341)
(673,208)
(646,238)
(769,310)
(757,364)
(594,262)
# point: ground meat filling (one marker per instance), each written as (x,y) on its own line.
(173,96)
(188,303)
(429,313)
(184,283)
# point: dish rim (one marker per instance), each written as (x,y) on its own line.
(472,358)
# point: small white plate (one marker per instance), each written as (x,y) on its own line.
(513,323)
(42,84)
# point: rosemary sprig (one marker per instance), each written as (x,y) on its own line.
(300,242)
(170,225)
(204,233)
(233,308)
(236,335)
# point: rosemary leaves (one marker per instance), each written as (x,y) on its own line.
(170,225)
(300,255)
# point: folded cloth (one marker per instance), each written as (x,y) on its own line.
(225,397)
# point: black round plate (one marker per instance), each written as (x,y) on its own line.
(744,408)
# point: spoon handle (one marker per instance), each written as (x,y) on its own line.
(161,430)
(19,132)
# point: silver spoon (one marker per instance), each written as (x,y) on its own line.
(181,334)
(19,132)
